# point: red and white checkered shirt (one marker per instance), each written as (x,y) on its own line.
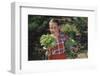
(59,47)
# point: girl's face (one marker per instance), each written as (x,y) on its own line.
(54,28)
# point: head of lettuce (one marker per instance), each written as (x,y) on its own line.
(48,41)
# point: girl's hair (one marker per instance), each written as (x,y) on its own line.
(55,21)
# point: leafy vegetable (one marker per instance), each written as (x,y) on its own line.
(47,41)
(70,42)
(69,45)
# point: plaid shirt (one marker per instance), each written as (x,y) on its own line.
(59,47)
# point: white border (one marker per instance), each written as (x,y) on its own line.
(19,39)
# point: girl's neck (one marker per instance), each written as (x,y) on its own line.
(57,36)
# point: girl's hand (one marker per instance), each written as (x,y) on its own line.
(49,51)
